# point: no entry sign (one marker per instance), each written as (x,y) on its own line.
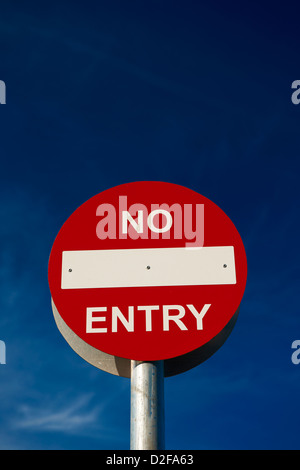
(147,271)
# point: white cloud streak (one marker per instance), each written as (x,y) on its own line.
(73,418)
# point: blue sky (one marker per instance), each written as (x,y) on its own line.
(197,94)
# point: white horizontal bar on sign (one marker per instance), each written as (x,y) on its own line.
(148,267)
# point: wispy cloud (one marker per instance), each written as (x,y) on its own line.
(73,418)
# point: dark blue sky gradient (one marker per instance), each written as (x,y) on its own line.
(193,93)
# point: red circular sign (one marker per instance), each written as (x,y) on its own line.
(147,271)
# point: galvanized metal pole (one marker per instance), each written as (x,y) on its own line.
(147,421)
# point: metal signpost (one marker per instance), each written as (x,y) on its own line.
(147,406)
(146,281)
